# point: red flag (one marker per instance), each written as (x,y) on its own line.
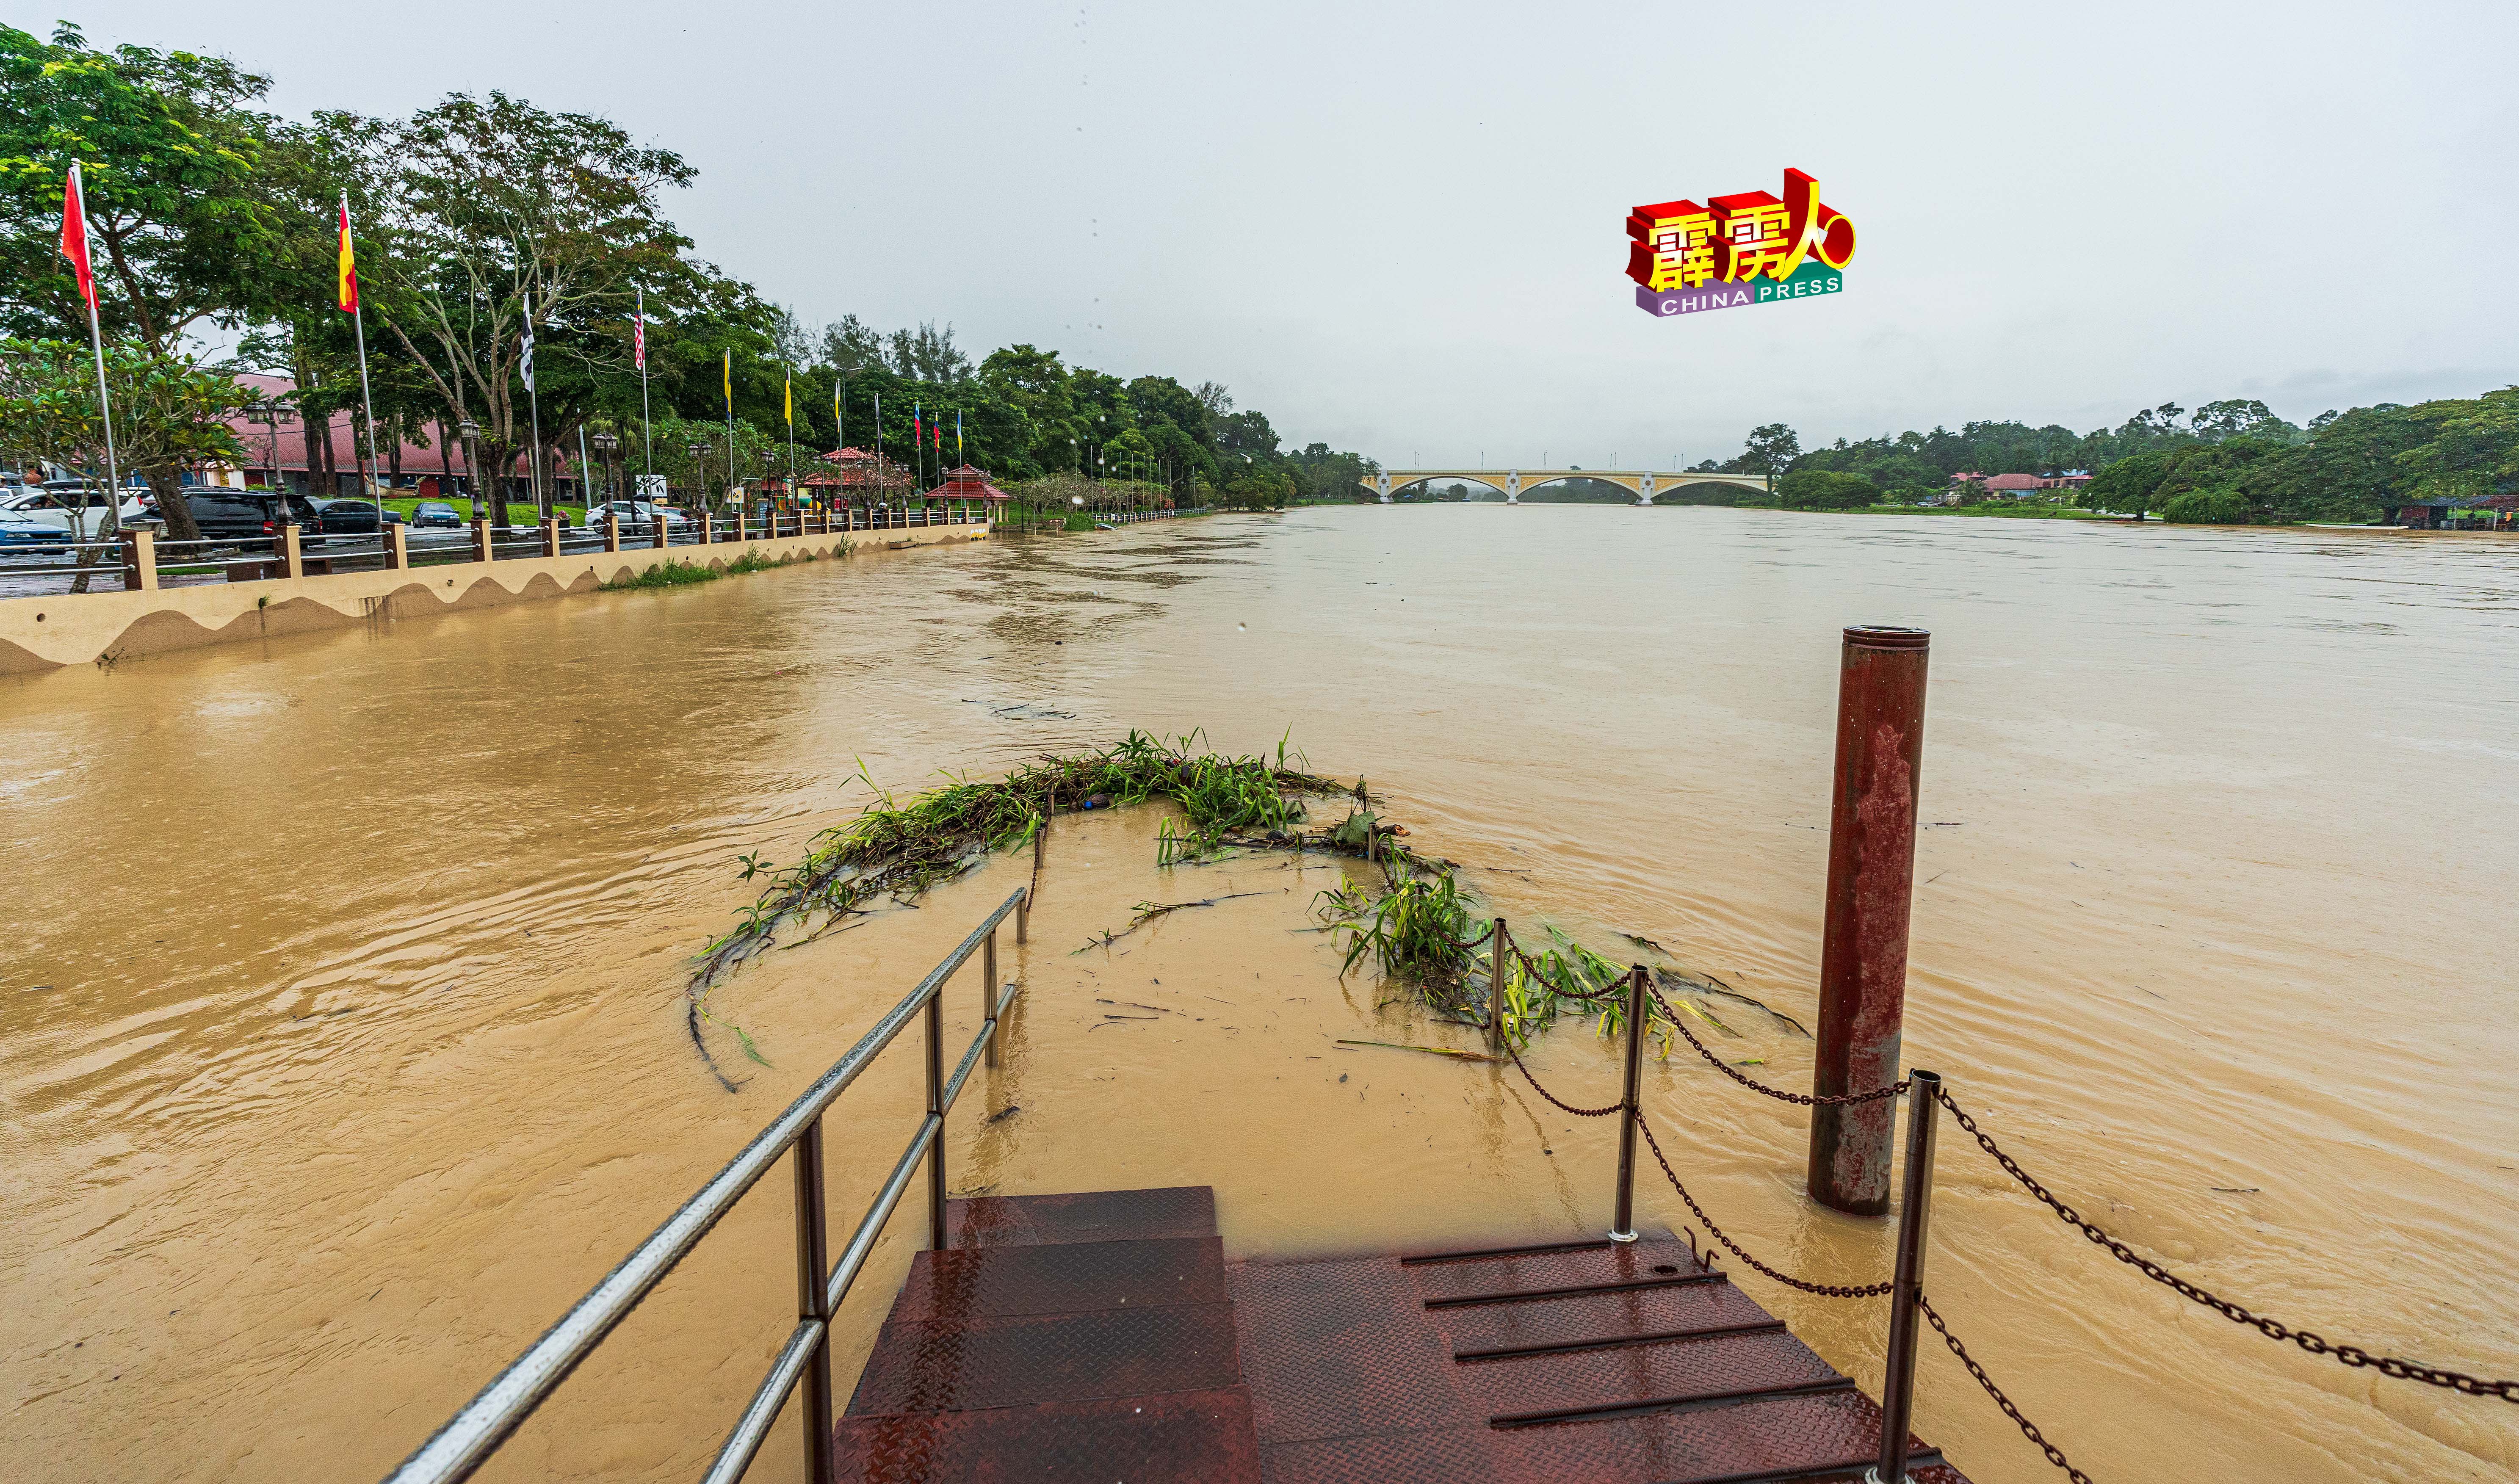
(638,330)
(74,234)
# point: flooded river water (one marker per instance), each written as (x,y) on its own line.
(343,1012)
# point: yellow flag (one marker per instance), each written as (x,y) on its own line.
(729,383)
(348,296)
(791,400)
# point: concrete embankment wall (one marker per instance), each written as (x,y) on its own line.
(70,629)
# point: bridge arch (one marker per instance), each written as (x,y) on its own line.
(1644,484)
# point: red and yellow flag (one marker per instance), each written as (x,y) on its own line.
(349,286)
(74,234)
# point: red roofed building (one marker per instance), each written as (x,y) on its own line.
(855,471)
(275,452)
(2016,485)
(966,483)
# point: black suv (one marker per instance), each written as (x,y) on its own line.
(346,518)
(250,514)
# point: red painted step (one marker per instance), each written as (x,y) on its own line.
(1000,1221)
(1180,1435)
(1102,1336)
(1084,1336)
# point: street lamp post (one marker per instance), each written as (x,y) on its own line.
(468,432)
(269,411)
(608,447)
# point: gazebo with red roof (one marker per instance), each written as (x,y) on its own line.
(854,472)
(967,483)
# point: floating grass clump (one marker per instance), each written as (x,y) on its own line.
(898,850)
(674,572)
(1417,927)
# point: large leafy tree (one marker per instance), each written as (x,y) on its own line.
(168,414)
(1769,450)
(171,145)
(492,210)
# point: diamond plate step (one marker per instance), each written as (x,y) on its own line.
(1061,1278)
(958,1365)
(1558,1384)
(1181,1436)
(1005,1221)
(1596,1318)
(1604,1265)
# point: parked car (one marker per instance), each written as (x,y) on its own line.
(225,514)
(54,506)
(20,528)
(343,517)
(637,513)
(435,515)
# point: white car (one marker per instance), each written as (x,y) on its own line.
(52,511)
(637,512)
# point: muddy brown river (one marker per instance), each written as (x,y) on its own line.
(343,1008)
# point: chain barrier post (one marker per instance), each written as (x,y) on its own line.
(1623,1229)
(1906,1285)
(1871,888)
(1499,945)
(812,1300)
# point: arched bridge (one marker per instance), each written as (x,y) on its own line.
(1644,484)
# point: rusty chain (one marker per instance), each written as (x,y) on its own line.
(1824,1290)
(2271,1328)
(2028,1428)
(1530,966)
(1833,1100)
(1580,1113)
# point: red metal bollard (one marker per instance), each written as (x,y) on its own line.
(1871,887)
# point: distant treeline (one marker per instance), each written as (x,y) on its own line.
(2226,463)
(481,220)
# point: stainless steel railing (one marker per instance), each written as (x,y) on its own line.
(468,1438)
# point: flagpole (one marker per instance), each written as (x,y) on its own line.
(584,474)
(730,427)
(646,432)
(791,451)
(366,401)
(878,447)
(112,520)
(534,406)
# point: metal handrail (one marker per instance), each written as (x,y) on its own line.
(468,1438)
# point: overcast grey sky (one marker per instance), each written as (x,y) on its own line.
(1400,228)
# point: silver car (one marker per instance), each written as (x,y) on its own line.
(637,512)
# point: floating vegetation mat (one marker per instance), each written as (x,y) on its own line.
(1415,925)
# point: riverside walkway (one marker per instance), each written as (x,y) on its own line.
(1104,1336)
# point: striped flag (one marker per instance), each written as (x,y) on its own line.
(347,289)
(75,234)
(529,339)
(638,330)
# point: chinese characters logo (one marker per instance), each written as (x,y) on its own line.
(1749,248)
